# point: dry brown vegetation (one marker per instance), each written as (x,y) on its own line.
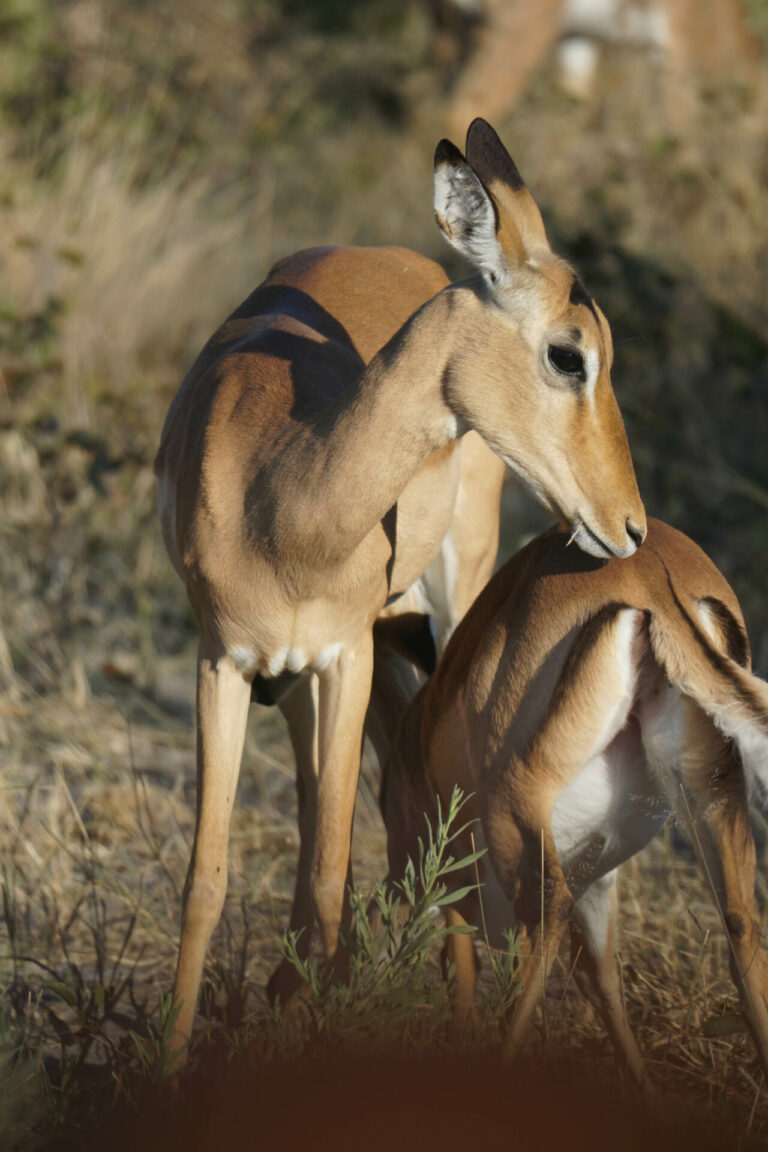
(154,160)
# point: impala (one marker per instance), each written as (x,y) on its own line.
(303,487)
(696,44)
(582,702)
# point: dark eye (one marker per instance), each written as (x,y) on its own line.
(566,361)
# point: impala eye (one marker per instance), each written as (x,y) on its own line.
(566,361)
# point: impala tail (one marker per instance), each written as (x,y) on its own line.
(708,660)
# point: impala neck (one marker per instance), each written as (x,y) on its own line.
(378,440)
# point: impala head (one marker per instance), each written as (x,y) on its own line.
(533,374)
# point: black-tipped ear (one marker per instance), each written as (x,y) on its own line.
(447,153)
(489,157)
(522,228)
(466,213)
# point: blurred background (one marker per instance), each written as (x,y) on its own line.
(156,156)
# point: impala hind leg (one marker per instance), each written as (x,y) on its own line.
(223,697)
(580,718)
(300,709)
(593,942)
(540,933)
(344,692)
(530,874)
(722,838)
(706,784)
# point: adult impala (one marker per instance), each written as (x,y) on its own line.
(582,702)
(300,490)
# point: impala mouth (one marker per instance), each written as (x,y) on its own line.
(588,541)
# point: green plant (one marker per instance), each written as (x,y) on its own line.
(23,1085)
(392,993)
(504,965)
(153,1050)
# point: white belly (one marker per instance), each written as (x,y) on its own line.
(611,810)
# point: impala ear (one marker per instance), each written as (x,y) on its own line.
(520,222)
(466,213)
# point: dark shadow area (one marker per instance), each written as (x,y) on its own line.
(691,379)
(380,1102)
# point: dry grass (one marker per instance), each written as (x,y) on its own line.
(114,264)
(94,845)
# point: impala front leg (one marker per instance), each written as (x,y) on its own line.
(222,711)
(344,693)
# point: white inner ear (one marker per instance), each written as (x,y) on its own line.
(467,220)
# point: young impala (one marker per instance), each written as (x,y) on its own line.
(583,702)
(303,487)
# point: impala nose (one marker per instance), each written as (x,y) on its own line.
(636,535)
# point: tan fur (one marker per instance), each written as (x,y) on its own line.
(561,660)
(306,479)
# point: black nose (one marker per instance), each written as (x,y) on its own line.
(635,533)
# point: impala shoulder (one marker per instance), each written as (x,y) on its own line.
(291,270)
(408,263)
